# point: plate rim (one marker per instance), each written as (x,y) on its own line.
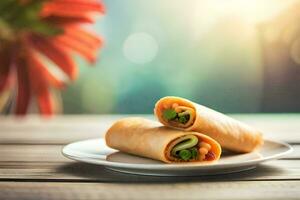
(167,166)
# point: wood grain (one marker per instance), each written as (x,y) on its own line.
(32,153)
(32,166)
(65,129)
(55,130)
(81,172)
(96,191)
(45,162)
(52,153)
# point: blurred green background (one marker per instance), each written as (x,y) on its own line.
(206,51)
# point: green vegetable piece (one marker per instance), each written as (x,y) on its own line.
(188,142)
(183,119)
(194,152)
(183,114)
(185,154)
(169,114)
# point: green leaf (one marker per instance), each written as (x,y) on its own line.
(190,142)
(26,17)
(182,119)
(185,154)
(169,114)
(46,29)
(194,152)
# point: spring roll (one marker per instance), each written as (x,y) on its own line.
(149,139)
(185,115)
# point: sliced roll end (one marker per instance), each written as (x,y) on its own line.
(175,112)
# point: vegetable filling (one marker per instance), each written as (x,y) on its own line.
(172,115)
(191,149)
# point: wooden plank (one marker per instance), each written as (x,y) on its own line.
(295,154)
(197,190)
(65,129)
(31,153)
(52,153)
(45,162)
(81,172)
(55,130)
(60,178)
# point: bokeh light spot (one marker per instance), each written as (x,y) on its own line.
(140,48)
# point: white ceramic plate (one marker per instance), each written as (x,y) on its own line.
(96,152)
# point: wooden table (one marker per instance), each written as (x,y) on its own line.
(32,167)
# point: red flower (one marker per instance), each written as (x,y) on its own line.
(34,31)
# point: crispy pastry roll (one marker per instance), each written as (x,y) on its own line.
(149,139)
(185,115)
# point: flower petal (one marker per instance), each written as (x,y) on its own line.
(5,64)
(75,45)
(40,88)
(23,92)
(44,73)
(63,21)
(85,37)
(71,7)
(57,54)
(45,102)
